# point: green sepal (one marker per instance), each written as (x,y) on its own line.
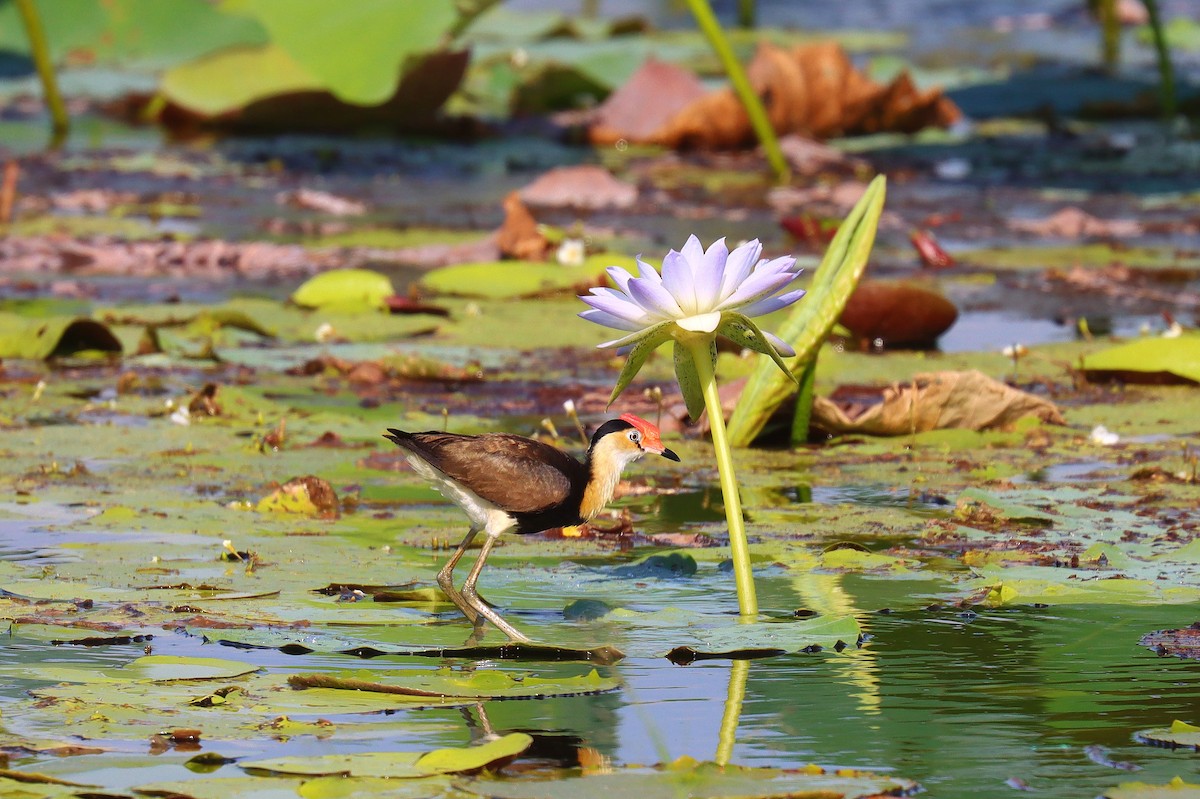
(689,379)
(741,330)
(648,341)
(637,335)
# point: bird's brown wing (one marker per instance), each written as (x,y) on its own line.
(515,473)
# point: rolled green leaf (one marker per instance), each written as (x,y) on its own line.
(53,337)
(813,317)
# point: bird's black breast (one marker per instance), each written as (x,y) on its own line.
(564,516)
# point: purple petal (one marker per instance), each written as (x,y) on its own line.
(620,276)
(617,304)
(779,265)
(654,299)
(693,251)
(756,287)
(770,304)
(708,275)
(646,271)
(781,346)
(738,266)
(608,320)
(677,279)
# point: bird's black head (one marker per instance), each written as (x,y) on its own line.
(642,436)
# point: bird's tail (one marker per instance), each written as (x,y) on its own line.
(398,437)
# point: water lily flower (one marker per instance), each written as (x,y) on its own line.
(698,295)
(699,291)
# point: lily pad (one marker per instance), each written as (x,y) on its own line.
(346,290)
(151,668)
(688,778)
(1175,789)
(512,279)
(1180,735)
(397,765)
(223,788)
(460,685)
(53,337)
(1148,360)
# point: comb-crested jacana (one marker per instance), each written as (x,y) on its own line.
(505,482)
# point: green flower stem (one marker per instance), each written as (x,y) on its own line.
(1166,73)
(734,697)
(45,67)
(741,86)
(743,576)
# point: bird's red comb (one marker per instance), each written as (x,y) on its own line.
(650,433)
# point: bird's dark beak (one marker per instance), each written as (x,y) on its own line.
(669,455)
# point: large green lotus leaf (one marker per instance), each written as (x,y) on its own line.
(30,789)
(1012,511)
(224,788)
(258,699)
(1007,585)
(455,760)
(697,781)
(151,668)
(347,290)
(397,765)
(1180,735)
(444,683)
(383,35)
(340,787)
(144,33)
(1175,789)
(58,336)
(1152,358)
(511,279)
(811,319)
(234,78)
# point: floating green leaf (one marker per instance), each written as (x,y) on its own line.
(345,290)
(1180,735)
(53,337)
(509,279)
(223,788)
(473,758)
(235,78)
(383,36)
(460,685)
(1175,789)
(1149,360)
(151,668)
(397,765)
(699,780)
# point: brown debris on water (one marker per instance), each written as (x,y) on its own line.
(519,237)
(935,401)
(812,89)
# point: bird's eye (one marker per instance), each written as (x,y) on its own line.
(635,436)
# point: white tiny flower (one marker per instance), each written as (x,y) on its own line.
(569,407)
(1174,331)
(182,416)
(519,57)
(325,333)
(571,252)
(1014,351)
(1103,436)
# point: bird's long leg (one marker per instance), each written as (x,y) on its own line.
(445,577)
(471,596)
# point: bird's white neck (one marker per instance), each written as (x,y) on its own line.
(606,461)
